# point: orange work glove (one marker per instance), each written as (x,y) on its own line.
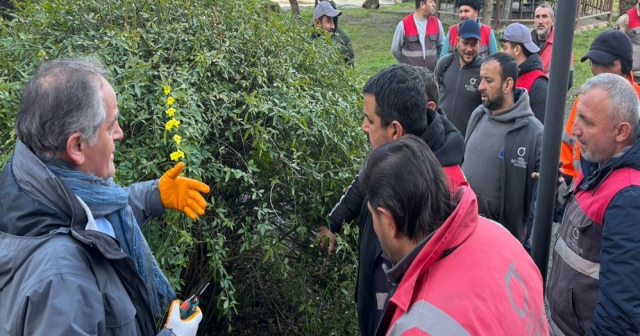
(181,193)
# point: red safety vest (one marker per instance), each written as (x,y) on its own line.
(525,81)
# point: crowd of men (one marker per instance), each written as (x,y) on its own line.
(445,197)
(410,193)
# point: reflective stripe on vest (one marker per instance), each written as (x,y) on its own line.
(428,318)
(570,141)
(579,264)
(412,48)
(485,39)
(526,80)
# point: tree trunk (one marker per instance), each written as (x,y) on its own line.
(625,5)
(487,12)
(371,4)
(295,10)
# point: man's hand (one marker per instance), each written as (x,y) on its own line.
(180,327)
(181,193)
(324,234)
(536,175)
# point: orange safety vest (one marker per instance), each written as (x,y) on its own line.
(570,147)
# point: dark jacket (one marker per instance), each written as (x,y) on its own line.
(599,233)
(447,145)
(517,184)
(538,91)
(459,95)
(57,277)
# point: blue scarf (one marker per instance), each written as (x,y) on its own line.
(107,199)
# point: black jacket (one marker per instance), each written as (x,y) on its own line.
(448,146)
(538,91)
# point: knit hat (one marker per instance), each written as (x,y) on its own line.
(472,3)
(609,46)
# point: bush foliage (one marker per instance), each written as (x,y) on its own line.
(269,119)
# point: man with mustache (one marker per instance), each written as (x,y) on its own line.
(469,10)
(419,37)
(395,105)
(502,147)
(542,35)
(458,76)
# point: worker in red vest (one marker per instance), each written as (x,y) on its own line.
(516,41)
(629,23)
(419,37)
(542,36)
(469,10)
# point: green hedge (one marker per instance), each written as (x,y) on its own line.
(268,118)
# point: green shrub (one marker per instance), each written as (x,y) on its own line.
(269,119)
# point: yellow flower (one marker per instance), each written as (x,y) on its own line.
(171,111)
(170,101)
(166,89)
(175,156)
(172,123)
(177,139)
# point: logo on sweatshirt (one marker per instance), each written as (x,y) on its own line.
(520,162)
(472,85)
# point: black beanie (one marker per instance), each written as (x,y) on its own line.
(472,3)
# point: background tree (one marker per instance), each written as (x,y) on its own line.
(371,4)
(487,12)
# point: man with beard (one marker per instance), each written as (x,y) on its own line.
(516,41)
(419,37)
(469,11)
(542,36)
(502,147)
(455,272)
(594,285)
(325,17)
(458,76)
(395,105)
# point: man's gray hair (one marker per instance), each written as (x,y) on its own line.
(624,105)
(552,13)
(62,98)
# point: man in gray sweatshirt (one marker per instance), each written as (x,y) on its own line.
(502,146)
(458,76)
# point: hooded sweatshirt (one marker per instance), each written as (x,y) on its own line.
(500,154)
(538,91)
(459,95)
(447,145)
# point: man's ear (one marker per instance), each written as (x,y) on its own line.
(431,105)
(397,131)
(622,132)
(509,84)
(388,222)
(75,150)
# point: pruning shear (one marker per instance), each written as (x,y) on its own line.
(188,307)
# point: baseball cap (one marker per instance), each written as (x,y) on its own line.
(324,8)
(469,29)
(475,4)
(609,46)
(519,33)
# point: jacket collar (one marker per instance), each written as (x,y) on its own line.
(454,231)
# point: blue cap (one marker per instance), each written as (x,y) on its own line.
(469,29)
